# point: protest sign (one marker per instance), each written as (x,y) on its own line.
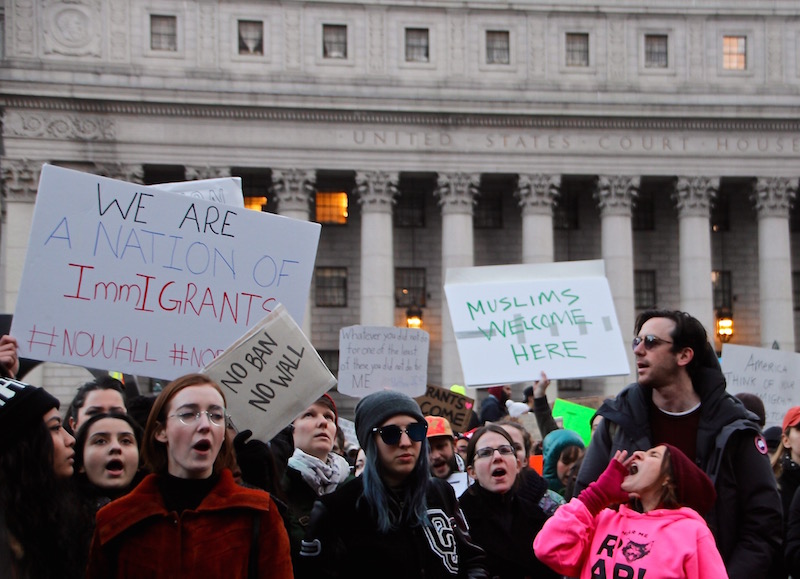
(455,407)
(374,358)
(576,417)
(270,375)
(512,322)
(769,374)
(227,190)
(123,277)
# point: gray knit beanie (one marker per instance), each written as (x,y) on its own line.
(375,409)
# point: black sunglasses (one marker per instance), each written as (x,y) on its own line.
(650,341)
(391,433)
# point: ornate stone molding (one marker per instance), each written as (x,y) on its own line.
(694,196)
(20,179)
(118,16)
(774,196)
(72,28)
(376,42)
(59,126)
(538,193)
(293,188)
(615,194)
(376,190)
(457,191)
(206,172)
(121,171)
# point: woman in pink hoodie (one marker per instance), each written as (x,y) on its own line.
(657,532)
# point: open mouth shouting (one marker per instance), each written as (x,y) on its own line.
(115,468)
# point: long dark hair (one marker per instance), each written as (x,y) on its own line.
(82,436)
(40,509)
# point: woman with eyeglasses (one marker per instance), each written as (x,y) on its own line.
(506,507)
(395,520)
(189,518)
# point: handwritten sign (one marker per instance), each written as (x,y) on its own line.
(374,358)
(513,321)
(270,375)
(576,417)
(227,190)
(123,277)
(456,407)
(772,375)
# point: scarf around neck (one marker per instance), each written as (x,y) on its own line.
(322,477)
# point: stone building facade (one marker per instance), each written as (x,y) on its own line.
(662,137)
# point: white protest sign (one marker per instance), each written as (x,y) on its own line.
(227,190)
(512,322)
(122,277)
(270,375)
(374,358)
(769,374)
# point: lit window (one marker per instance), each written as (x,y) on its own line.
(644,289)
(163,33)
(734,52)
(409,287)
(417,45)
(577,49)
(331,287)
(497,47)
(332,207)
(655,51)
(251,37)
(723,290)
(334,41)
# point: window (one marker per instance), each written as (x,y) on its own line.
(409,210)
(571,385)
(720,214)
(655,51)
(577,49)
(256,189)
(331,287)
(734,52)
(334,41)
(409,287)
(417,45)
(488,212)
(565,211)
(251,37)
(644,289)
(332,207)
(723,291)
(155,174)
(163,33)
(644,212)
(331,359)
(497,47)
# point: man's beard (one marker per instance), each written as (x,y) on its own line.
(452,465)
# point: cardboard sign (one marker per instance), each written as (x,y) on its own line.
(227,190)
(512,322)
(456,408)
(374,358)
(576,417)
(772,375)
(123,277)
(270,375)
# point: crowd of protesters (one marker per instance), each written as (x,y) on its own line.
(676,482)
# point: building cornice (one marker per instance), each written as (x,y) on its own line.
(436,119)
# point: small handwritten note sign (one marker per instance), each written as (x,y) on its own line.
(772,375)
(124,277)
(270,375)
(456,407)
(373,358)
(227,190)
(513,321)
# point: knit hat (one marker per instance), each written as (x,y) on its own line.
(552,447)
(375,409)
(326,400)
(791,418)
(692,486)
(497,392)
(21,405)
(439,426)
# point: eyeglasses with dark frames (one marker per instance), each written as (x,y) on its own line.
(488,451)
(650,341)
(391,433)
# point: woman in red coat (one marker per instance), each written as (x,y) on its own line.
(189,518)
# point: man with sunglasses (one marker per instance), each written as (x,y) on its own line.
(679,398)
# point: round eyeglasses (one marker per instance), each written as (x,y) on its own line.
(189,418)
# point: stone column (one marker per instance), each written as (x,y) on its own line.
(537,195)
(693,198)
(376,191)
(293,189)
(20,183)
(614,196)
(773,198)
(456,193)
